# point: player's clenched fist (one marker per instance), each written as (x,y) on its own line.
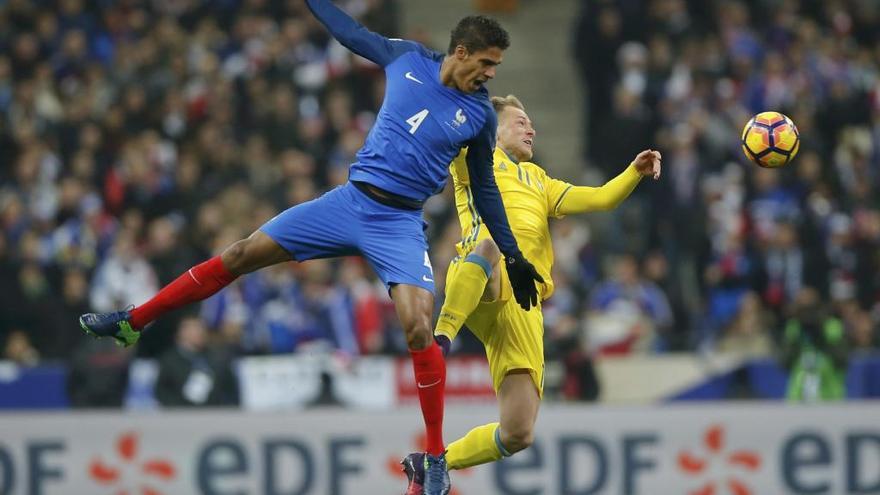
(648,163)
(523,276)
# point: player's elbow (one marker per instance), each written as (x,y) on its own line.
(606,204)
(585,207)
(587,200)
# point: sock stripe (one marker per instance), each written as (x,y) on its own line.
(481,262)
(191,274)
(500,445)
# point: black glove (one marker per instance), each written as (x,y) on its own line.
(523,276)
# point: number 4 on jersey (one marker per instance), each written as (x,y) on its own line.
(416,120)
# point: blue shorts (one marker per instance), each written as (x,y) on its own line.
(345,222)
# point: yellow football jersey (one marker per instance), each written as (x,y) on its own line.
(530,197)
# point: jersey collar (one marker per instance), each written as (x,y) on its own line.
(504,155)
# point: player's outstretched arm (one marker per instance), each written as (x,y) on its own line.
(487,199)
(356,37)
(580,199)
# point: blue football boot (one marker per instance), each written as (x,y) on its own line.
(116,325)
(414,467)
(436,475)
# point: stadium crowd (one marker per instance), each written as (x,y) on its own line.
(731,246)
(138,138)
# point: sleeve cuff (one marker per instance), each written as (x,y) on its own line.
(632,173)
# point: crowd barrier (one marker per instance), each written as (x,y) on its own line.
(289,382)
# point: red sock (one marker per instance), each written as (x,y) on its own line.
(199,282)
(430,371)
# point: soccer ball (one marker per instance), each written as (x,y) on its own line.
(770,139)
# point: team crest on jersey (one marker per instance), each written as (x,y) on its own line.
(502,166)
(460,119)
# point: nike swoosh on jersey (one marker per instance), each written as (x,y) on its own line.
(411,77)
(426,279)
(428,385)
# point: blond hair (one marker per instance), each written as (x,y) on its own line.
(500,103)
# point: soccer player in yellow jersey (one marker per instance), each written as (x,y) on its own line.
(479,294)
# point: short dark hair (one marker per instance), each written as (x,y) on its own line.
(478,32)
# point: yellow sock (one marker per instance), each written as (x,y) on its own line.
(479,446)
(463,294)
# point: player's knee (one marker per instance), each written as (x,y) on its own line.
(235,257)
(419,334)
(489,250)
(518,437)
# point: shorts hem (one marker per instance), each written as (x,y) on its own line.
(291,252)
(533,373)
(391,283)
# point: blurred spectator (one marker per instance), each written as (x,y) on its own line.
(749,333)
(123,278)
(32,293)
(627,128)
(98,374)
(862,334)
(814,351)
(656,270)
(366,306)
(19,350)
(62,319)
(598,35)
(580,381)
(292,313)
(785,265)
(627,312)
(729,275)
(195,372)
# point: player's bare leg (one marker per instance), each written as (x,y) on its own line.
(518,402)
(198,283)
(252,253)
(414,307)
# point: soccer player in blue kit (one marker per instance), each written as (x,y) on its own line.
(434,105)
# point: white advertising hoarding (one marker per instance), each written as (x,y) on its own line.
(706,449)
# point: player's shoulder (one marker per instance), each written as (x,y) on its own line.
(482,97)
(534,168)
(483,104)
(416,49)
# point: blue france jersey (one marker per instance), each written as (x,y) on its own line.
(422,124)
(421,127)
